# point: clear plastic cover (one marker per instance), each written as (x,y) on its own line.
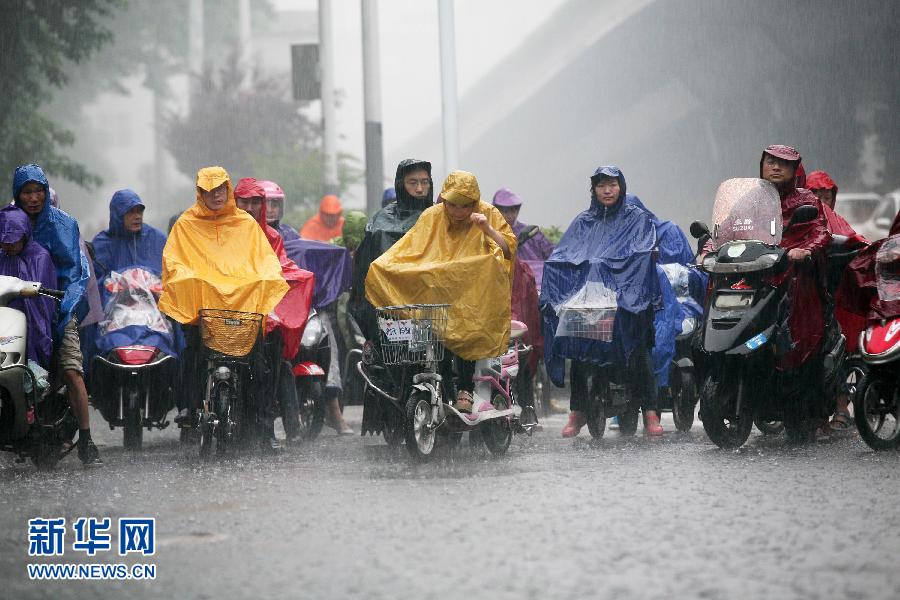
(887,269)
(679,277)
(132,298)
(590,313)
(747,209)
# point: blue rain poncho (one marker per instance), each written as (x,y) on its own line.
(58,233)
(115,249)
(131,315)
(604,258)
(329,263)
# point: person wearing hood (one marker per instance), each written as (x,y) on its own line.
(536,249)
(610,245)
(58,233)
(128,241)
(809,305)
(275,207)
(459,252)
(22,257)
(413,190)
(290,315)
(216,257)
(389,195)
(326,224)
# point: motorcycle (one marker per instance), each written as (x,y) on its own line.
(402,376)
(876,401)
(680,396)
(233,409)
(36,421)
(735,347)
(132,384)
(309,370)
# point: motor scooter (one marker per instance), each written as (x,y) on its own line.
(876,401)
(133,384)
(402,376)
(36,421)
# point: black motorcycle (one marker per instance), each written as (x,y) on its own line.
(744,320)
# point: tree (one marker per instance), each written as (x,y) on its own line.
(259,133)
(40,43)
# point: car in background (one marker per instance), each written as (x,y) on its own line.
(884,215)
(860,208)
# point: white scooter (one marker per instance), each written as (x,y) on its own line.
(35,423)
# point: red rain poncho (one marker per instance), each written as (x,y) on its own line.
(805,280)
(291,313)
(857,292)
(316,229)
(525,308)
(851,323)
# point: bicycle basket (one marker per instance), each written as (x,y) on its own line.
(588,323)
(230,332)
(412,333)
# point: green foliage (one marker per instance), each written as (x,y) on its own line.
(256,133)
(40,43)
(552,233)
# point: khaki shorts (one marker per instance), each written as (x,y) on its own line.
(70,357)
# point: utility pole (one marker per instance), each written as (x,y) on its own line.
(448,85)
(195,42)
(326,64)
(246,49)
(372,105)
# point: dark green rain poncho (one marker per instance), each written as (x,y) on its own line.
(387,226)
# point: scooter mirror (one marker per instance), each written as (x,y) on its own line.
(804,214)
(699,229)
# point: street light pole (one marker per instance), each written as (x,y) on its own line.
(448,85)
(326,64)
(372,105)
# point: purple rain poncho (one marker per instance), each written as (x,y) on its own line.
(33,263)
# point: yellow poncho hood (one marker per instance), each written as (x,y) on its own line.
(436,262)
(219,260)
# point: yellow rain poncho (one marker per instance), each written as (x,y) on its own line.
(219,260)
(439,262)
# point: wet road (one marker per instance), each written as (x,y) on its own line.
(347,518)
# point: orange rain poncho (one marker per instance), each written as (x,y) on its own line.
(438,262)
(316,229)
(219,260)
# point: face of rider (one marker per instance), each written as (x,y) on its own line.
(778,171)
(252,205)
(134,219)
(417,183)
(510,213)
(215,198)
(13,249)
(826,196)
(31,198)
(331,220)
(459,215)
(607,190)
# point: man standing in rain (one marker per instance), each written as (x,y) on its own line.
(58,233)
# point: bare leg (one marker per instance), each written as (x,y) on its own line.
(78,397)
(334,418)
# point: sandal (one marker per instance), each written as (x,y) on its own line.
(463,402)
(841,422)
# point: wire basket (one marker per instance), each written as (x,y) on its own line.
(587,323)
(230,332)
(412,333)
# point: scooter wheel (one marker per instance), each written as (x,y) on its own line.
(497,433)
(876,409)
(420,437)
(684,402)
(725,429)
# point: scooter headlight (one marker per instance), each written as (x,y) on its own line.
(313,333)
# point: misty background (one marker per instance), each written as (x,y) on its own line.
(681,94)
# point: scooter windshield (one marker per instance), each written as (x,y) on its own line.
(746,209)
(887,269)
(132,296)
